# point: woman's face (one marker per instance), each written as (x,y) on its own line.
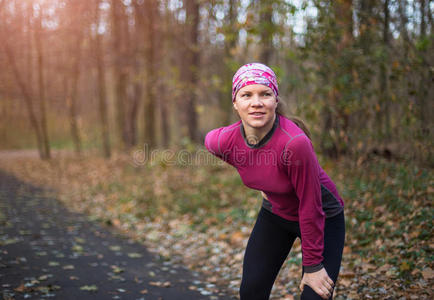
(256,104)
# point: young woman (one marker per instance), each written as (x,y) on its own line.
(275,156)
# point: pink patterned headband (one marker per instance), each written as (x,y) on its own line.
(254,73)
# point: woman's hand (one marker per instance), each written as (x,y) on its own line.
(320,282)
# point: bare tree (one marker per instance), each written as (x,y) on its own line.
(189,71)
(231,38)
(102,94)
(76,24)
(151,17)
(334,119)
(41,84)
(384,74)
(266,30)
(120,67)
(25,87)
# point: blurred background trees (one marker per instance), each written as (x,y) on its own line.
(114,74)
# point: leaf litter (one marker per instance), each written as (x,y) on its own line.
(201,216)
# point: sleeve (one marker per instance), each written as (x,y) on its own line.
(303,172)
(212,142)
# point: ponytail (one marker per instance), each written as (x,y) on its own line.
(297,121)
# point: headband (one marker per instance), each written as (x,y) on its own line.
(254,73)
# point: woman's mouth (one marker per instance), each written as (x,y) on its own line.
(257,114)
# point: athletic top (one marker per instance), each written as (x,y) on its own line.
(284,166)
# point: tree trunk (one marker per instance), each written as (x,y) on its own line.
(151,14)
(165,129)
(344,20)
(72,95)
(102,105)
(41,85)
(366,25)
(29,41)
(133,113)
(422,18)
(402,8)
(133,90)
(26,90)
(137,62)
(336,120)
(424,81)
(266,30)
(166,42)
(190,70)
(28,99)
(384,73)
(231,38)
(120,69)
(430,18)
(137,91)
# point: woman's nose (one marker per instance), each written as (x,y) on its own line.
(256,101)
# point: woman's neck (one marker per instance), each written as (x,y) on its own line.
(255,135)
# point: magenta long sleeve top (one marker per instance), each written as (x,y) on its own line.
(284,166)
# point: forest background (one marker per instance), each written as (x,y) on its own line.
(96,85)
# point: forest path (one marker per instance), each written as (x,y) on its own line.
(49,252)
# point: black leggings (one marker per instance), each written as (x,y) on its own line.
(269,244)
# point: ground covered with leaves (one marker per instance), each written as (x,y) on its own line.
(197,212)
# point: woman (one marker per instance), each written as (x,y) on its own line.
(273,155)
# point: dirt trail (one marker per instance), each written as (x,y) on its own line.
(48,252)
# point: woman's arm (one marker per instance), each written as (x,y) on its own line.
(303,172)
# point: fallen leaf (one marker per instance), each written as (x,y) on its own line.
(89,288)
(20,289)
(347,250)
(367,267)
(68,267)
(134,255)
(383,268)
(347,274)
(115,248)
(117,270)
(160,283)
(80,240)
(404,266)
(43,277)
(237,237)
(427,273)
(345,282)
(77,248)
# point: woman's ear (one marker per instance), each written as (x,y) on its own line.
(235,104)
